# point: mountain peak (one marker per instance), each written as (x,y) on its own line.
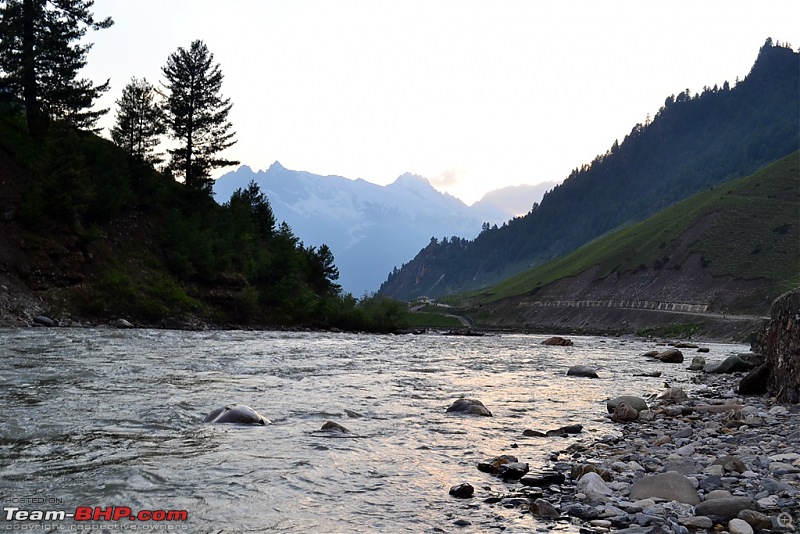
(276,166)
(409,180)
(415,184)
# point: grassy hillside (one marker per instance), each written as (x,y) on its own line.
(747,228)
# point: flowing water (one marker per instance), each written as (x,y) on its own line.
(113,418)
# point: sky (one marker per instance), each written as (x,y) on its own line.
(472,94)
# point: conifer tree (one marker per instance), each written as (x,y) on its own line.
(197,115)
(40,57)
(139,121)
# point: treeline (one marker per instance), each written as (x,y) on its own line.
(694,142)
(181,254)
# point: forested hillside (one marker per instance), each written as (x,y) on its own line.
(694,142)
(92,230)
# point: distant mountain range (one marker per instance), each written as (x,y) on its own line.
(695,142)
(372,229)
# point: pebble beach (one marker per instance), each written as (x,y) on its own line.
(691,458)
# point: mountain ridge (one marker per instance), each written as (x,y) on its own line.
(370,228)
(694,142)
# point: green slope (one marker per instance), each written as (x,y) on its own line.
(747,228)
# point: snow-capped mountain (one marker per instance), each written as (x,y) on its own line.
(369,228)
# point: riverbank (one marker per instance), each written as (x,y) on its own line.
(701,457)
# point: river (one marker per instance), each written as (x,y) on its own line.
(113,418)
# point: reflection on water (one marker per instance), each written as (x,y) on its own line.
(113,418)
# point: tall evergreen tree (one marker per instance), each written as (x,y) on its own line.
(139,121)
(40,57)
(197,115)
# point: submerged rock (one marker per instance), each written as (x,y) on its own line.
(493,466)
(557,341)
(236,413)
(462,491)
(469,407)
(334,428)
(582,371)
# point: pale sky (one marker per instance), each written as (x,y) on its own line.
(473,95)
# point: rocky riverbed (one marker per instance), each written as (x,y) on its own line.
(697,457)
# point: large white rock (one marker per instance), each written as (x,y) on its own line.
(739,526)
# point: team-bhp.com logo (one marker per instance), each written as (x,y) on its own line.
(96,513)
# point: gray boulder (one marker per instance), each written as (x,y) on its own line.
(624,413)
(698,363)
(670,356)
(671,486)
(731,364)
(469,407)
(726,508)
(594,487)
(672,395)
(582,371)
(637,403)
(43,320)
(543,508)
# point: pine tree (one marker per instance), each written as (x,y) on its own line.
(40,57)
(139,121)
(197,115)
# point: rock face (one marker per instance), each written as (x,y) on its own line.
(779,342)
(469,407)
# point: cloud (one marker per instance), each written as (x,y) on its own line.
(448,178)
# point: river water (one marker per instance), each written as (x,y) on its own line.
(113,418)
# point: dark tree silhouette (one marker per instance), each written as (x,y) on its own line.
(40,57)
(197,115)
(140,121)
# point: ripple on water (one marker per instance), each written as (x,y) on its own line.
(107,416)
